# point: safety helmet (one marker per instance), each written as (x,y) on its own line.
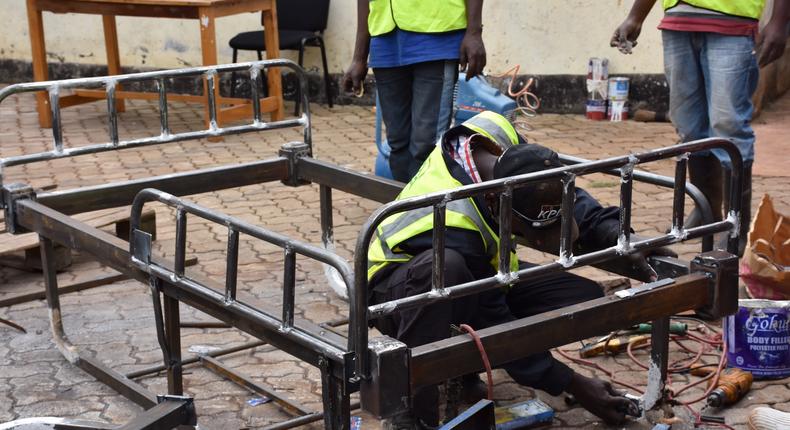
(493,126)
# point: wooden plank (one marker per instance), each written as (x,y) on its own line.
(273,51)
(113,58)
(98,219)
(35,26)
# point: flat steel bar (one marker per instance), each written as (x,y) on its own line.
(659,357)
(164,122)
(626,197)
(292,406)
(303,420)
(255,83)
(343,179)
(175,379)
(211,87)
(678,199)
(194,359)
(204,324)
(567,221)
(117,194)
(458,355)
(166,415)
(57,125)
(117,381)
(181,241)
(505,229)
(232,265)
(78,286)
(439,232)
(112,113)
(289,288)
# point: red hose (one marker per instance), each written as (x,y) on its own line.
(483,356)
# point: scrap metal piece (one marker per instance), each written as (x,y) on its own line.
(624,294)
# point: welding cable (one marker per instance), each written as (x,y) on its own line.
(527,103)
(594,365)
(483,356)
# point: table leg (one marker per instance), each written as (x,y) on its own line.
(113,58)
(208,46)
(273,51)
(39,54)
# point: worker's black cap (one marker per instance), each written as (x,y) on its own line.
(537,203)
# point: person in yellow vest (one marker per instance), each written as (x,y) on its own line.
(712,68)
(415,48)
(483,148)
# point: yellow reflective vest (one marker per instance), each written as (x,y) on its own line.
(420,16)
(464,214)
(744,8)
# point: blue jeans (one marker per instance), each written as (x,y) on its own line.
(416,106)
(711,81)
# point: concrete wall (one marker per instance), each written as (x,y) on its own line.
(545,37)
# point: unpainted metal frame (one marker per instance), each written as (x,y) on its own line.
(345,363)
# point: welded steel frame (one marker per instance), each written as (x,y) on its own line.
(347,364)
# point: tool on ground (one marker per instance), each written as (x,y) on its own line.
(635,406)
(644,115)
(674,328)
(523,415)
(732,385)
(612,345)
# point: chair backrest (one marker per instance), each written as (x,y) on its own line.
(309,15)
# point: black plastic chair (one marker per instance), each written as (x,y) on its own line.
(300,23)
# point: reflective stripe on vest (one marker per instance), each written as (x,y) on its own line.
(400,227)
(744,8)
(494,127)
(420,16)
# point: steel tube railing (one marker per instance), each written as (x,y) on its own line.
(111,83)
(626,165)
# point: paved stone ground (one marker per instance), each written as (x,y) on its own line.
(115,322)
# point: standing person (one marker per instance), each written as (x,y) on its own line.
(415,48)
(711,65)
(400,259)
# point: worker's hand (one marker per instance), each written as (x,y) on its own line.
(354,77)
(473,53)
(599,398)
(771,42)
(639,264)
(624,37)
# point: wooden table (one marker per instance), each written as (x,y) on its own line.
(205,11)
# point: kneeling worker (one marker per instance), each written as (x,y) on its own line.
(400,259)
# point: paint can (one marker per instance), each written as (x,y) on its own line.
(618,98)
(758,338)
(597,87)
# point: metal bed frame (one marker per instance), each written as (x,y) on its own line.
(382,369)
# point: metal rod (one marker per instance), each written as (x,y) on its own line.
(194,359)
(678,198)
(505,229)
(292,406)
(112,113)
(175,378)
(232,265)
(289,288)
(568,220)
(306,419)
(439,231)
(181,240)
(164,125)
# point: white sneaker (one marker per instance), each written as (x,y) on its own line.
(763,418)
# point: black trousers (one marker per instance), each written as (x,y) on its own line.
(431,323)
